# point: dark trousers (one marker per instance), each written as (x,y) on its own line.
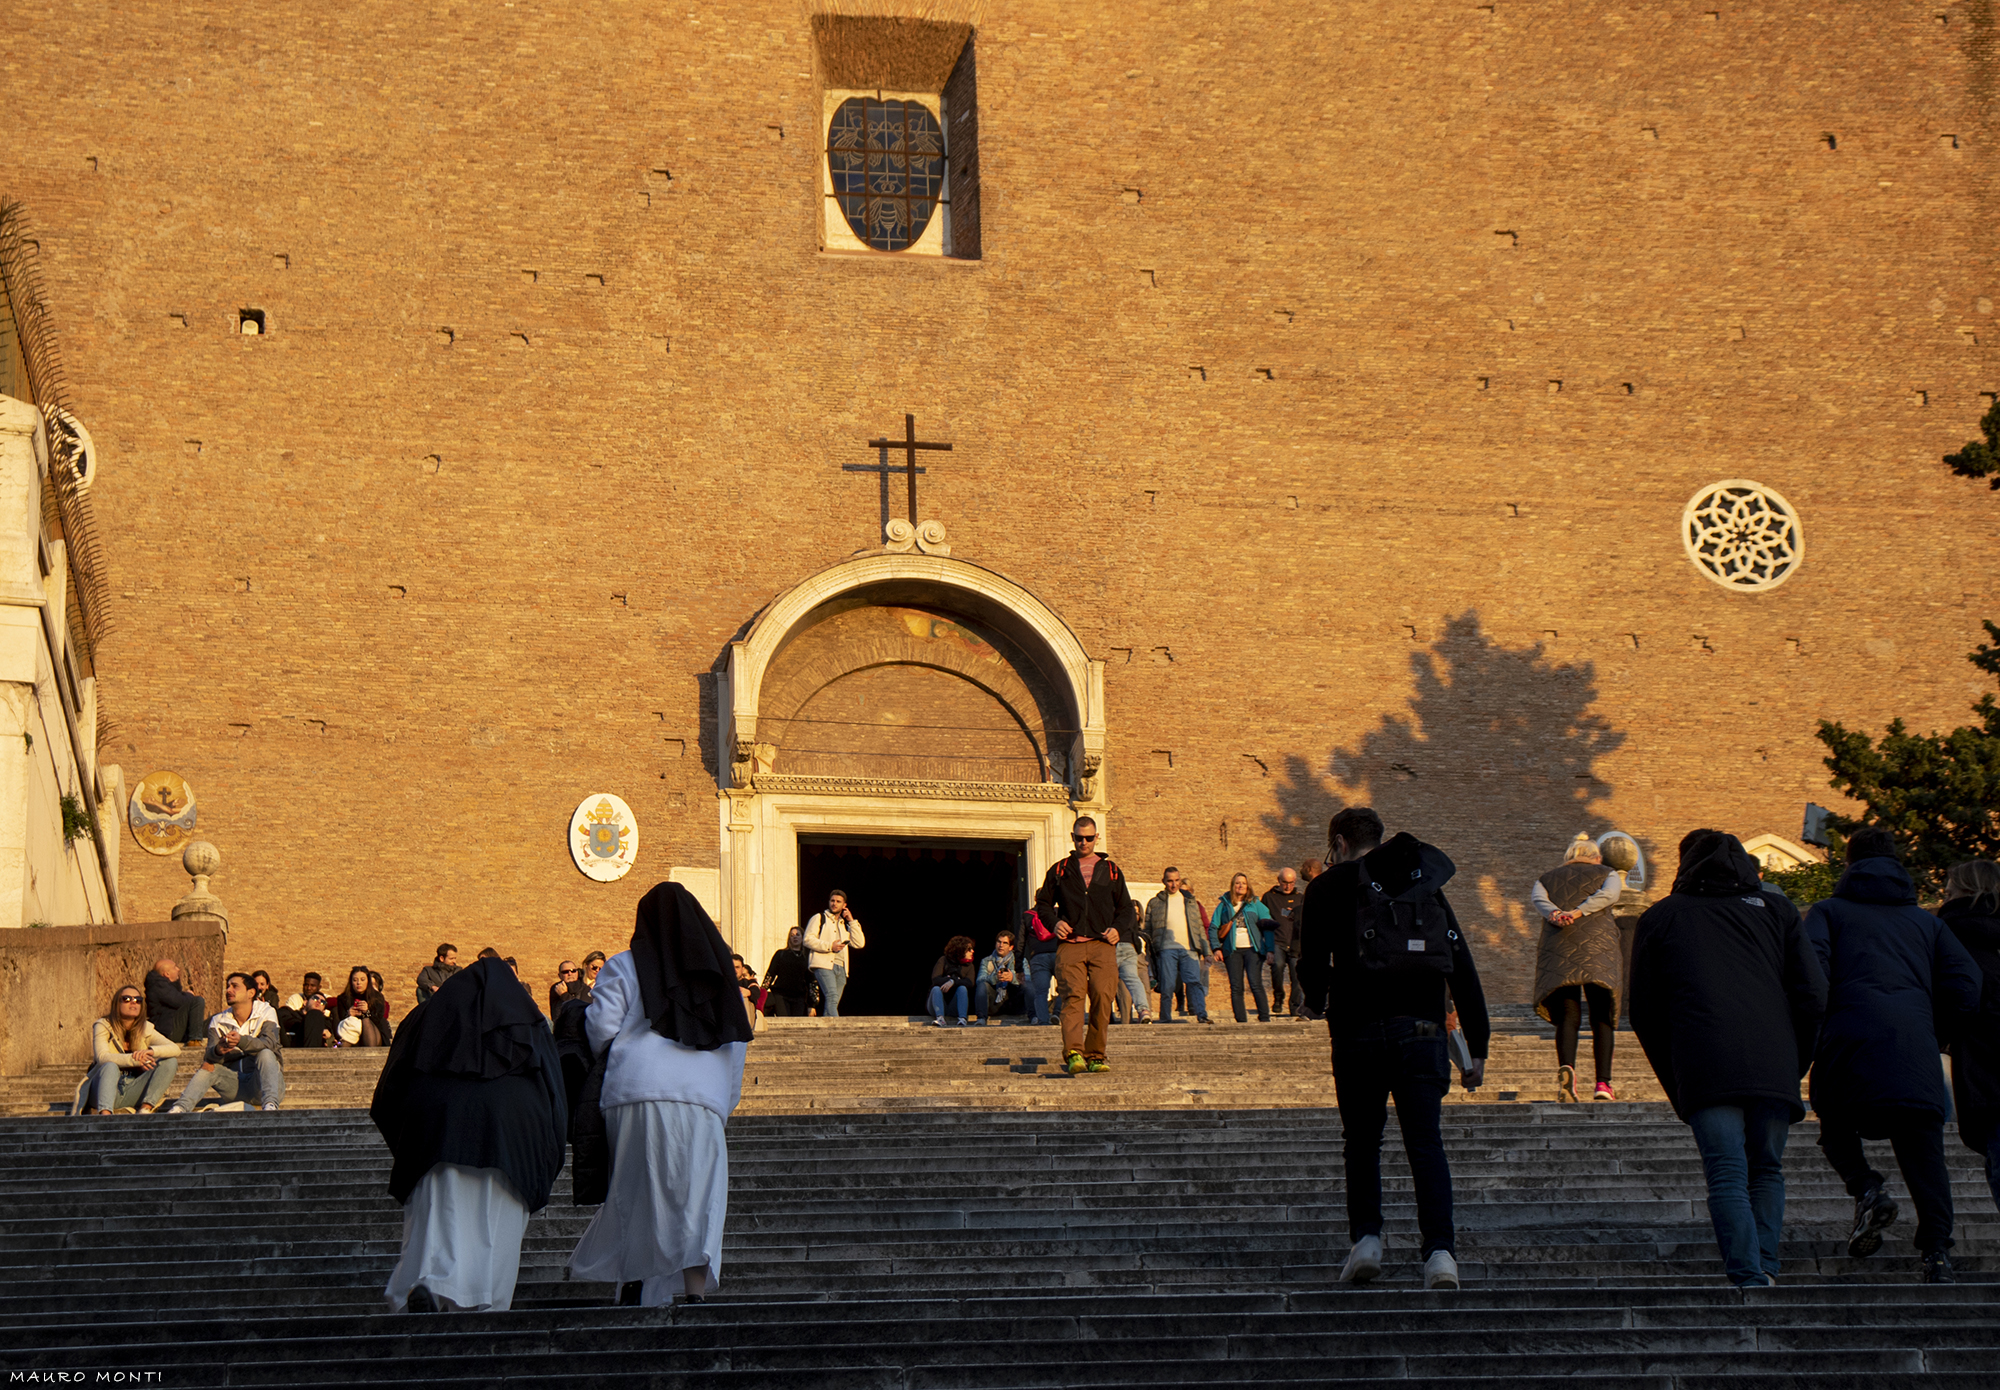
(1276,963)
(186,1024)
(1245,962)
(1394,1058)
(1919,1147)
(1565,1006)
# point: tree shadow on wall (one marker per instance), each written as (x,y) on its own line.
(1496,760)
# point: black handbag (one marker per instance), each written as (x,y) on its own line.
(589,1143)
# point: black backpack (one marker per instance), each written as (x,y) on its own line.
(1403,933)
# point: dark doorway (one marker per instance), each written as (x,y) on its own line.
(911,896)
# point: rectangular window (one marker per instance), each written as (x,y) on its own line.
(900,136)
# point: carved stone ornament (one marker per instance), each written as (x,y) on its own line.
(1743,535)
(603,837)
(901,538)
(930,791)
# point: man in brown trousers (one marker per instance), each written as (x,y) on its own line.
(1086,896)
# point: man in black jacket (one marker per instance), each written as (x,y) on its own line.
(1900,984)
(1726,998)
(180,1016)
(1087,897)
(1284,900)
(1387,1026)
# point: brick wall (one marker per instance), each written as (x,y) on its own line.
(1256,382)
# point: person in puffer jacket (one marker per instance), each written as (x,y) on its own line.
(1899,986)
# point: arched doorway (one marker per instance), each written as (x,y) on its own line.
(920,723)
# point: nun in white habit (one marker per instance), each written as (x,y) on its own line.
(671,1013)
(471,1106)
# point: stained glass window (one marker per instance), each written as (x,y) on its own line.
(886,159)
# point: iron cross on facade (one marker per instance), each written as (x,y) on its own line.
(909,444)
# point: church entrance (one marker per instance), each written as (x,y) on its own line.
(911,895)
(917,730)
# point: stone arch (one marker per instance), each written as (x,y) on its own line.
(1046,677)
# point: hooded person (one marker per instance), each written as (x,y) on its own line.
(1899,986)
(670,1013)
(1381,950)
(1971,908)
(1726,998)
(471,1106)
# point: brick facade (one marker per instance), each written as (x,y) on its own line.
(1339,372)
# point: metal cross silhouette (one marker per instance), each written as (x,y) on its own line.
(909,444)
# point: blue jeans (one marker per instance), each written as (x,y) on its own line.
(258,1079)
(1128,976)
(959,994)
(1743,1155)
(113,1088)
(832,984)
(1040,970)
(1177,967)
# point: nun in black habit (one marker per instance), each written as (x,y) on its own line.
(673,1020)
(471,1105)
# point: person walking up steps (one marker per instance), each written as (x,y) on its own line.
(1898,982)
(1087,896)
(670,1014)
(1971,909)
(1381,948)
(1726,999)
(1580,958)
(471,1105)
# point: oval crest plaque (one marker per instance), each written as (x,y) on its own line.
(603,837)
(161,813)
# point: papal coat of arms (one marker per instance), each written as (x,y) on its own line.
(161,813)
(603,837)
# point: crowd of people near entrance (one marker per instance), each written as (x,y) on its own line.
(1735,997)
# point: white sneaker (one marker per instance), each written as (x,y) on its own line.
(1364,1261)
(1441,1271)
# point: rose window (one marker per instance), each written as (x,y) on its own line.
(1743,535)
(886,161)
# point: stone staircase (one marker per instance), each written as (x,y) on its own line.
(865,1065)
(988,1248)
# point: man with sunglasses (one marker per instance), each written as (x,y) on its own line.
(569,986)
(1086,896)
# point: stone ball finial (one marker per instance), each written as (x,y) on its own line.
(1620,852)
(201,859)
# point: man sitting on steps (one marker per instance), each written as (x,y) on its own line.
(245,1056)
(1380,949)
(175,1012)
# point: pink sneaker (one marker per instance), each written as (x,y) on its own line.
(1604,1091)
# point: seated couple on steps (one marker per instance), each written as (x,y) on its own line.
(998,986)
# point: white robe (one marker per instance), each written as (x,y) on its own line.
(462,1230)
(668,1201)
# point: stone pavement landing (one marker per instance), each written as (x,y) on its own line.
(870,1064)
